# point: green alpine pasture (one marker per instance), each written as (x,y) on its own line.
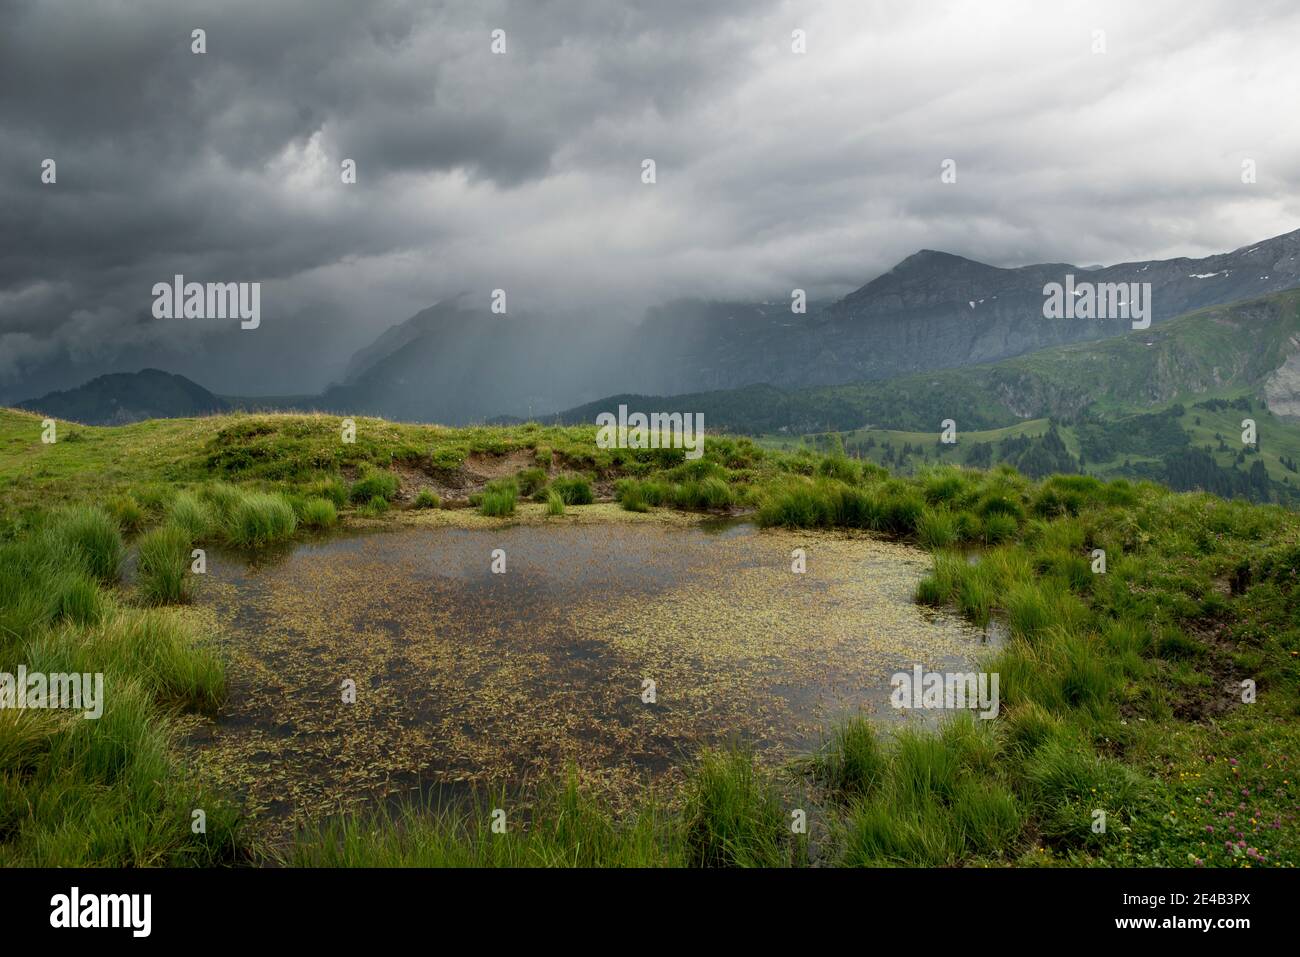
(1159,693)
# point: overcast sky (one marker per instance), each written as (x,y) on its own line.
(523,170)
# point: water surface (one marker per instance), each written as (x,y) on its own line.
(465,676)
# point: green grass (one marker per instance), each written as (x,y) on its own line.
(631,495)
(574,489)
(499,498)
(130,516)
(530,480)
(1112,684)
(564,826)
(163,568)
(191,514)
(702,494)
(108,791)
(318,513)
(937,528)
(260,518)
(732,815)
(91,535)
(333,489)
(852,763)
(427,498)
(374,484)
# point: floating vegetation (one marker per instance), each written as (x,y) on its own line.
(464,676)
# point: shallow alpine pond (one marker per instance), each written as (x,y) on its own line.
(467,677)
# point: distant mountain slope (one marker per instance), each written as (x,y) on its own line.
(935,310)
(453,363)
(1252,345)
(1165,404)
(123,397)
(457,362)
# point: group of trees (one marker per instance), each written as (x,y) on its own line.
(1150,446)
(1196,469)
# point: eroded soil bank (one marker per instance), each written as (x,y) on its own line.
(465,677)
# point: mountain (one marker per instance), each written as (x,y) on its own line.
(1252,346)
(1167,404)
(934,310)
(455,363)
(129,397)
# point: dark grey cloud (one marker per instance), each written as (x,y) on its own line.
(522,171)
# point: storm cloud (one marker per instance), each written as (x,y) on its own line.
(522,170)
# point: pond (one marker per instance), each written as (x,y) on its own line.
(466,676)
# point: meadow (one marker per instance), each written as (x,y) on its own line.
(1121,689)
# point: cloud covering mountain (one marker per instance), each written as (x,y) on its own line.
(522,171)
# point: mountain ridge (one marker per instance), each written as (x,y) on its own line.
(118,398)
(1252,344)
(457,362)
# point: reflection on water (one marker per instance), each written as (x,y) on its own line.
(463,675)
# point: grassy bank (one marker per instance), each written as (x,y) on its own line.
(108,791)
(1121,688)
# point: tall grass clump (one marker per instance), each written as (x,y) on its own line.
(901,511)
(318,513)
(34,573)
(374,483)
(554,503)
(1030,610)
(222,498)
(152,648)
(105,792)
(703,494)
(187,511)
(530,480)
(940,586)
(631,495)
(851,764)
(732,816)
(939,800)
(574,489)
(936,528)
(842,468)
(567,828)
(76,598)
(945,486)
(164,565)
(999,527)
(130,516)
(91,536)
(499,499)
(332,488)
(976,597)
(427,498)
(260,518)
(797,505)
(1066,781)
